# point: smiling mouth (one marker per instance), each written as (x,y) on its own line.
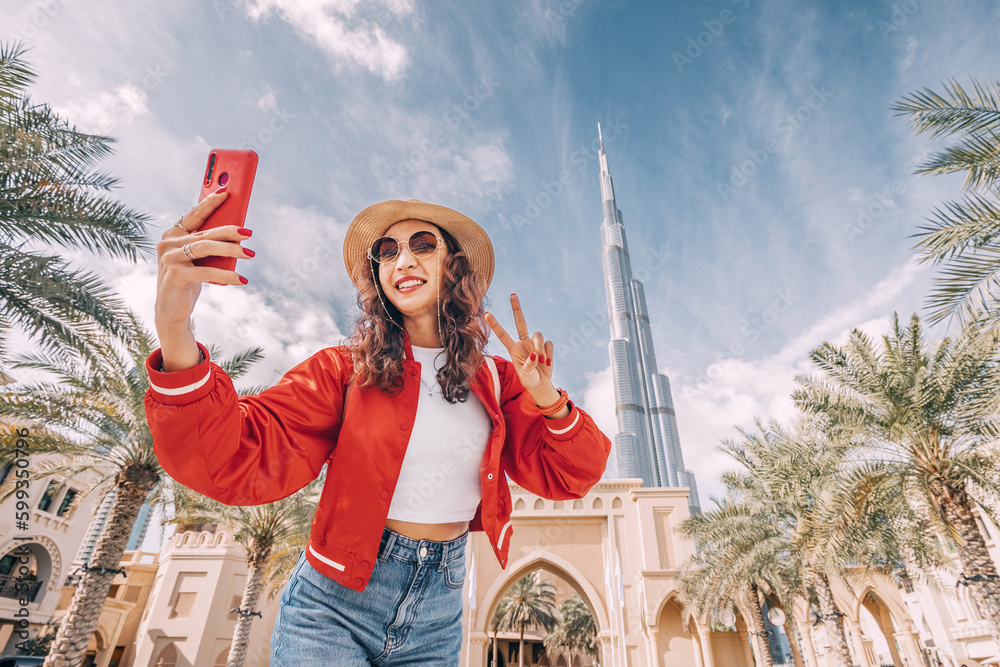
(410,285)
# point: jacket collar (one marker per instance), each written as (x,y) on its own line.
(407,350)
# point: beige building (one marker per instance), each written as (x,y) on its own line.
(41,550)
(173,609)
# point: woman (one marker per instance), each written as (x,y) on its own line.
(419,428)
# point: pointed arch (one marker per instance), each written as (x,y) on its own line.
(558,566)
(897,611)
(167,656)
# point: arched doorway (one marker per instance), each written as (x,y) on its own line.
(676,642)
(94,650)
(878,631)
(567,581)
(30,561)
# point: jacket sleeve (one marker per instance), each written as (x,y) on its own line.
(246,450)
(556,459)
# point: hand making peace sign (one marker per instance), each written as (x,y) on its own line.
(532,355)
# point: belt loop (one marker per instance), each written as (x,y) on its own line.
(389,543)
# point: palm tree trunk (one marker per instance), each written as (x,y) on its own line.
(496,641)
(256,563)
(756,619)
(831,620)
(978,569)
(792,632)
(520,648)
(133,484)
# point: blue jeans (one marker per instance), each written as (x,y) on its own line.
(410,613)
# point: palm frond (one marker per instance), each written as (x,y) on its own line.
(957,110)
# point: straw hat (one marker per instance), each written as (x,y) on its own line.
(373,222)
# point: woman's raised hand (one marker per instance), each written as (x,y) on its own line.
(178,280)
(532,355)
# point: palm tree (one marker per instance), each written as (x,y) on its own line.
(529,601)
(922,414)
(576,632)
(739,554)
(51,194)
(965,234)
(778,535)
(95,416)
(499,613)
(265,531)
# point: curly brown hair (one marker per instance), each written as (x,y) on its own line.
(376,344)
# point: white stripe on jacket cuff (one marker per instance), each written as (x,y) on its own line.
(564,430)
(182,390)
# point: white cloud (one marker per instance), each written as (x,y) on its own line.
(338,28)
(268,101)
(467,171)
(103,113)
(911,53)
(599,403)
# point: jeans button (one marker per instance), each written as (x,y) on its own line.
(423,552)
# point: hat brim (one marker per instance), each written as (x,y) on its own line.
(373,222)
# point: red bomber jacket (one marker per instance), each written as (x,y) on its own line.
(252,450)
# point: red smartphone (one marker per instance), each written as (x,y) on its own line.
(234,169)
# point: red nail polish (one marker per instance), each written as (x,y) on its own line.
(533,356)
(244,231)
(249,251)
(243,280)
(548,362)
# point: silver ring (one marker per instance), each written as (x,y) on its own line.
(187,252)
(525,336)
(178,224)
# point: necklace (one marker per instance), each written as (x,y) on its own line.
(431,361)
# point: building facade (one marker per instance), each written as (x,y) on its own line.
(616,548)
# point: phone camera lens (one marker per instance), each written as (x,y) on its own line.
(223,179)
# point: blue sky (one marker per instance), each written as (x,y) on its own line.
(767,189)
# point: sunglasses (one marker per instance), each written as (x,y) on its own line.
(421,244)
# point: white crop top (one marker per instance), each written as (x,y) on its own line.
(439,479)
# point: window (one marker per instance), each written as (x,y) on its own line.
(47,497)
(67,499)
(113,591)
(7,564)
(233,616)
(183,605)
(132,594)
(167,657)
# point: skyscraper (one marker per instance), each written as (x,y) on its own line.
(100,520)
(647,442)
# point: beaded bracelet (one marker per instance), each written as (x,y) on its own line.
(164,370)
(555,407)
